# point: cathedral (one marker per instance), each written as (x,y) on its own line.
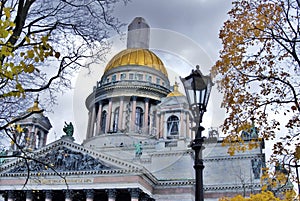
(137,144)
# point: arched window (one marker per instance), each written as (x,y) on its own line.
(172,125)
(38,139)
(139,117)
(116,119)
(103,121)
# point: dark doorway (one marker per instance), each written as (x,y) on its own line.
(58,196)
(123,196)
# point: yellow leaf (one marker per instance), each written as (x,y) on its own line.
(297,153)
(29,69)
(19,129)
(7,12)
(30,54)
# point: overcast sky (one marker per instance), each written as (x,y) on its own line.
(185,33)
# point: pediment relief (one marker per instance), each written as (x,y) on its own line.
(170,101)
(61,159)
(63,156)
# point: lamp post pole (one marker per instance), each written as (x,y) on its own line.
(197,88)
(296,166)
(197,146)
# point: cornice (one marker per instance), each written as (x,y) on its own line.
(236,157)
(171,153)
(176,183)
(232,187)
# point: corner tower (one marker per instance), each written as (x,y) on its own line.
(31,133)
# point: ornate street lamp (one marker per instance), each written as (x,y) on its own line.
(197,88)
(294,158)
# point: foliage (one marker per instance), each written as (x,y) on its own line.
(275,186)
(258,71)
(42,43)
(264,195)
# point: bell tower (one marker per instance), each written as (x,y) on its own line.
(31,133)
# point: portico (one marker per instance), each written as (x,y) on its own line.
(126,194)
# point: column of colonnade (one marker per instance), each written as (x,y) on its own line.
(68,195)
(10,196)
(48,195)
(135,194)
(95,116)
(98,119)
(88,132)
(146,115)
(120,118)
(133,109)
(89,194)
(111,194)
(29,196)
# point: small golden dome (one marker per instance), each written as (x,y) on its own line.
(35,107)
(139,57)
(175,92)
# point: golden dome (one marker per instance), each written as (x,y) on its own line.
(175,92)
(140,57)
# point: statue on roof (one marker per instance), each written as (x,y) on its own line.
(138,149)
(68,129)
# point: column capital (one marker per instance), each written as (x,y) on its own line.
(10,194)
(134,192)
(145,197)
(111,193)
(146,100)
(48,194)
(29,194)
(133,98)
(89,193)
(68,193)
